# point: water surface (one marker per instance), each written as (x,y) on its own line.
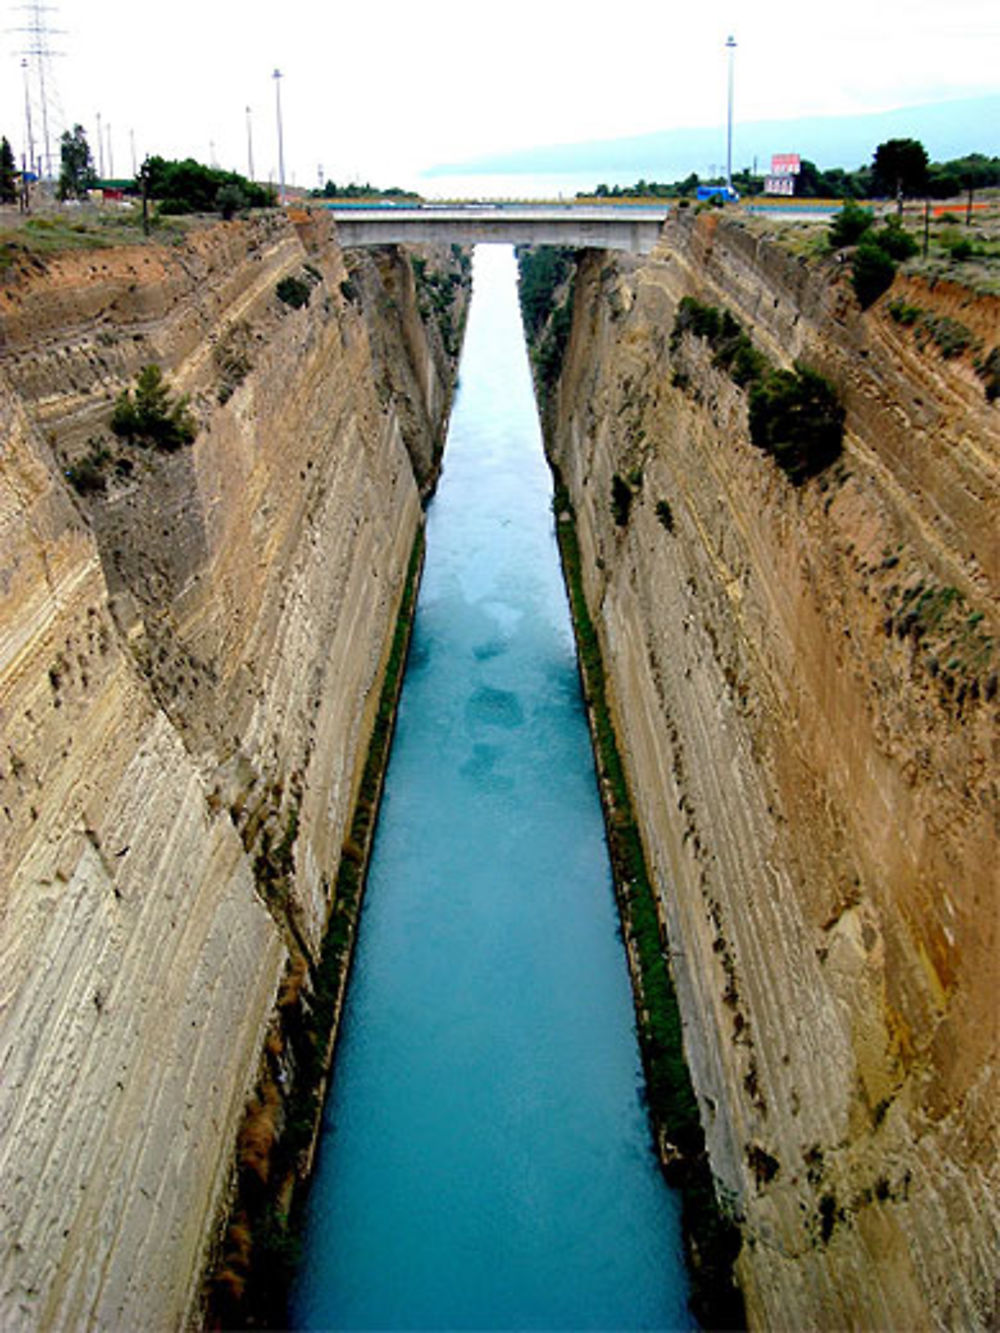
(486,1161)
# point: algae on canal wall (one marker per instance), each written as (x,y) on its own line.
(191,645)
(250,1281)
(713,1239)
(802,669)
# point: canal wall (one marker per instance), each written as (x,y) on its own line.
(192,644)
(803,681)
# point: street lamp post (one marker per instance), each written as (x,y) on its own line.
(249,148)
(730,47)
(281,148)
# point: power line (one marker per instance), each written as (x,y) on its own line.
(29,135)
(40,50)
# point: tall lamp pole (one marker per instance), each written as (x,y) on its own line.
(730,47)
(27,118)
(249,148)
(281,148)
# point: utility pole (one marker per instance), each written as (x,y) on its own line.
(131,139)
(27,118)
(144,178)
(111,160)
(100,145)
(281,147)
(39,35)
(730,47)
(249,148)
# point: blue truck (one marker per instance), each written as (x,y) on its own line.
(725,192)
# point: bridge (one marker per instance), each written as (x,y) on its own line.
(613,226)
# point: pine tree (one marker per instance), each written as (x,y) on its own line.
(77,175)
(8,172)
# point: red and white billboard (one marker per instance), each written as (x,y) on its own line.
(785,164)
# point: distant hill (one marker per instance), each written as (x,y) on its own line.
(946,129)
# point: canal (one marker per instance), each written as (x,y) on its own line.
(486,1161)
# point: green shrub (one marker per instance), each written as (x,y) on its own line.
(87,476)
(549,352)
(621,500)
(541,270)
(742,360)
(903,313)
(293,291)
(704,321)
(171,207)
(960,249)
(872,272)
(733,350)
(988,370)
(190,187)
(896,241)
(152,417)
(230,200)
(665,514)
(796,417)
(951,336)
(849,225)
(232,359)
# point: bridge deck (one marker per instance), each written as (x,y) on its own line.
(633,227)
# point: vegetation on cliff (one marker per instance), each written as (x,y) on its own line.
(438,292)
(147,416)
(150,415)
(879,249)
(295,289)
(545,292)
(794,415)
(257,1256)
(914,704)
(713,1238)
(190,187)
(545,288)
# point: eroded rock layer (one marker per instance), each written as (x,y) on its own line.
(191,646)
(805,684)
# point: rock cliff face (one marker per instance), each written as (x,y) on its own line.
(191,645)
(805,684)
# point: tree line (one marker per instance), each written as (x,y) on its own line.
(900,167)
(176,186)
(331,190)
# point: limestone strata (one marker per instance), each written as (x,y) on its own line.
(189,660)
(815,773)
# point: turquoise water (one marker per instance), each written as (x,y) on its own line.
(486,1161)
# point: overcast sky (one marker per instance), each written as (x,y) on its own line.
(381,91)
